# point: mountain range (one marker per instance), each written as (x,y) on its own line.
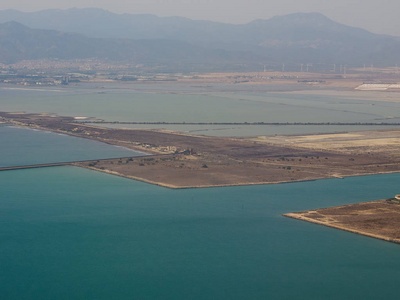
(295,39)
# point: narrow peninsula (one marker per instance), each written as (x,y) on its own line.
(187,161)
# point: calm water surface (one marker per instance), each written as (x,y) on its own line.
(69,233)
(21,146)
(219,103)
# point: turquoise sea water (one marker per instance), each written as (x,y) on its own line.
(70,233)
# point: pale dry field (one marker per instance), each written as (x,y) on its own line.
(381,141)
(377,219)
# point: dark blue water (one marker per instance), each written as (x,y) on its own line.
(21,146)
(70,233)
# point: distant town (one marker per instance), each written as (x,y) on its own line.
(47,72)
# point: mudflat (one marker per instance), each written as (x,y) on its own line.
(185,161)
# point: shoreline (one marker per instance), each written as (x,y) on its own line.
(171,186)
(79,164)
(116,144)
(376,219)
(359,232)
(176,160)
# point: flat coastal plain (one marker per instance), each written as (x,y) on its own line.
(378,219)
(189,161)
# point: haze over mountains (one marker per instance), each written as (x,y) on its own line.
(303,38)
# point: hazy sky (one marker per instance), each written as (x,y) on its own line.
(379,16)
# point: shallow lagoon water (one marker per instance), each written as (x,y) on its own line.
(174,102)
(21,146)
(253,130)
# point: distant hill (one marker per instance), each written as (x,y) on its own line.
(18,42)
(302,38)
